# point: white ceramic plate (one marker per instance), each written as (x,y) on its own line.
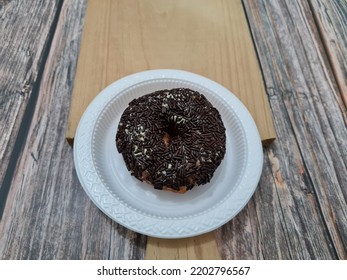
(136,205)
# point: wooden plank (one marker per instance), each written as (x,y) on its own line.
(48,215)
(195,248)
(301,212)
(210,38)
(24,32)
(331,20)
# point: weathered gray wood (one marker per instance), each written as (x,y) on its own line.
(48,215)
(305,201)
(331,19)
(24,31)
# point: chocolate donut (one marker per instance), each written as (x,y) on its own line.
(173,139)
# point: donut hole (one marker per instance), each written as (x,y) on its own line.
(171,129)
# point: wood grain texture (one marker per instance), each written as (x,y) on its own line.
(210,38)
(24,31)
(202,247)
(331,19)
(299,208)
(48,215)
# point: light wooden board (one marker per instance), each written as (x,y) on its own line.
(194,248)
(210,38)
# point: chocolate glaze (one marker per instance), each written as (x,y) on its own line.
(171,139)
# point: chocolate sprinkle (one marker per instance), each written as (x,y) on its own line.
(172,138)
